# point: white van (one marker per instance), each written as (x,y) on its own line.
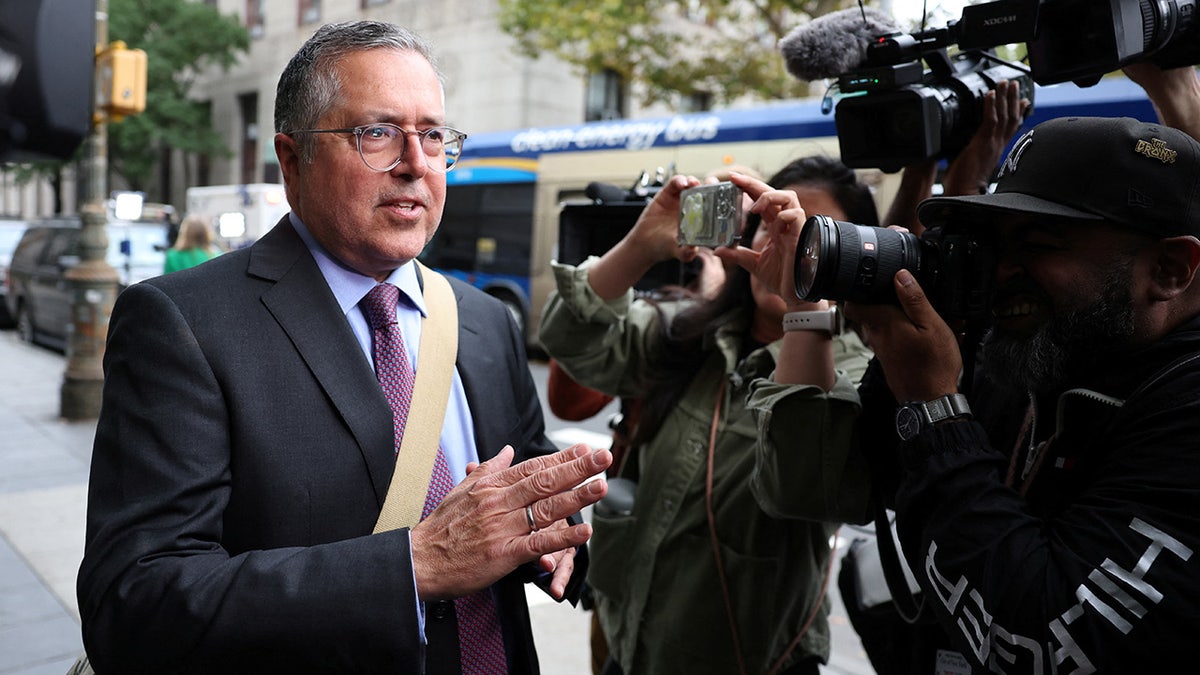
(239,214)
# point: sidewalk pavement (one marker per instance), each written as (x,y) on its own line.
(43,490)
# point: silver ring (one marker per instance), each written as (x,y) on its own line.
(529,519)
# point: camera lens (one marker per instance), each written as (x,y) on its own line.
(844,261)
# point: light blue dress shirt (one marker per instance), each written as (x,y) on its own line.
(349,287)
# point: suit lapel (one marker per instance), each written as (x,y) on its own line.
(477,365)
(307,312)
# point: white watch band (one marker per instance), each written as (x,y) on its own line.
(825,320)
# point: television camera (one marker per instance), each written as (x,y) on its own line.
(906,99)
(911,100)
(1081,40)
(591,228)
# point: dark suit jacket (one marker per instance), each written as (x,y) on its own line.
(242,455)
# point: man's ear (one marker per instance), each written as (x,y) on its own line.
(1174,266)
(288,153)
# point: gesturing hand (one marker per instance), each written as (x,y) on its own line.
(480,531)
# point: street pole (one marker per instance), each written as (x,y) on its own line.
(93,282)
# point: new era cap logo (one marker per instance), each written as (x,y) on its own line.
(1156,148)
(1140,200)
(1014,155)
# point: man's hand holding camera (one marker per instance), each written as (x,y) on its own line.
(1002,112)
(1175,93)
(917,349)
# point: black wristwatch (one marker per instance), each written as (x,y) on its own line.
(916,415)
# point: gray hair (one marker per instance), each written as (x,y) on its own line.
(309,85)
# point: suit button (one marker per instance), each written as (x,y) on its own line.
(441,608)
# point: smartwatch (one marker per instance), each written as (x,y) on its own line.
(914,416)
(825,320)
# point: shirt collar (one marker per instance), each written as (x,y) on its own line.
(350,286)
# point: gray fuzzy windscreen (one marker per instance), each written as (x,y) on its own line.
(833,44)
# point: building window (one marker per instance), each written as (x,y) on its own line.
(697,101)
(372,3)
(309,11)
(255,19)
(605,96)
(203,161)
(248,105)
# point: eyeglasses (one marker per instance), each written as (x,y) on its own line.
(381,145)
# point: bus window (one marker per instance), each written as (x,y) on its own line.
(506,218)
(485,228)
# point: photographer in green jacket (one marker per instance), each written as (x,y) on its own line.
(721,562)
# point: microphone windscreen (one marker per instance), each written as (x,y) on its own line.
(603,193)
(833,44)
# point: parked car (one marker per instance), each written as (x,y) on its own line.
(10,234)
(39,297)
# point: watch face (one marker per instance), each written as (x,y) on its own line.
(908,422)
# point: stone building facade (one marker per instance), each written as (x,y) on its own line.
(489,86)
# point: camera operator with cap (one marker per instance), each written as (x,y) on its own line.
(1061,539)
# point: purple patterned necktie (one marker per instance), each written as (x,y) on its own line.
(481,643)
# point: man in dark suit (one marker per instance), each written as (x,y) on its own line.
(245,447)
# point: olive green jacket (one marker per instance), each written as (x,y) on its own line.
(653,573)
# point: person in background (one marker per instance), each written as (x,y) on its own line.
(193,245)
(254,408)
(893,645)
(1062,539)
(571,401)
(720,563)
(896,647)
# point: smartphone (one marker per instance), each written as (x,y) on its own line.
(710,215)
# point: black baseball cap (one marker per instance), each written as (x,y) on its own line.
(1118,170)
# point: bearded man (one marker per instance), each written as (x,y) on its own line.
(1061,538)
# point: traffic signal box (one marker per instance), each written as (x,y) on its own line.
(122,80)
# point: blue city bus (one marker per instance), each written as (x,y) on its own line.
(504,197)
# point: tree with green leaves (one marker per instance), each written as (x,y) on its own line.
(725,49)
(181,39)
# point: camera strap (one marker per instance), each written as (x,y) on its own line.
(716,545)
(712,530)
(908,605)
(418,449)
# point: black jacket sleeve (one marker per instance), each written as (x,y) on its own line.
(1104,581)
